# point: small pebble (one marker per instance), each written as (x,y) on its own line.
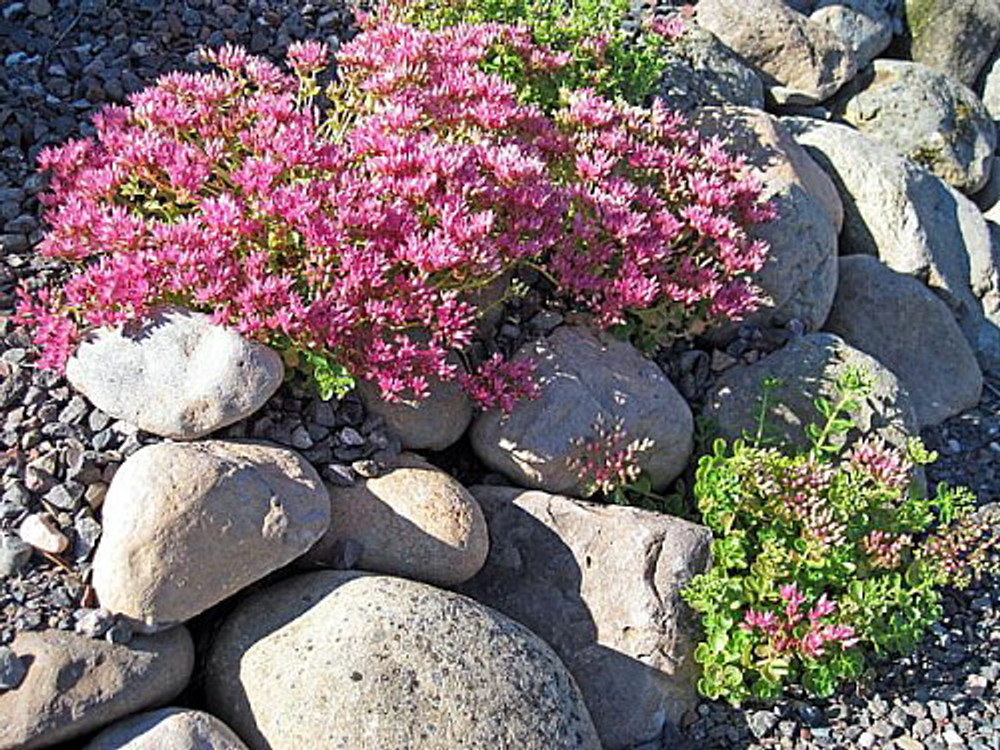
(40,531)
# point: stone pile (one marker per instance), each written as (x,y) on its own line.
(358,596)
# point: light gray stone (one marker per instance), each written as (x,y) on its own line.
(433,423)
(175,374)
(800,274)
(903,325)
(601,585)
(188,524)
(701,71)
(75,684)
(808,368)
(14,554)
(955,37)
(801,61)
(914,222)
(168,729)
(413,521)
(925,116)
(864,26)
(991,88)
(354,660)
(588,382)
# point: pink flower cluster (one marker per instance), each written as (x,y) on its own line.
(873,458)
(791,631)
(803,491)
(884,549)
(361,231)
(610,460)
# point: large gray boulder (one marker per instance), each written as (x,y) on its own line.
(175,374)
(903,325)
(864,26)
(808,368)
(800,274)
(589,382)
(699,70)
(75,684)
(801,61)
(188,524)
(955,37)
(925,116)
(351,660)
(413,521)
(168,729)
(601,585)
(915,223)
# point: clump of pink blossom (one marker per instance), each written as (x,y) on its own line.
(360,230)
(791,630)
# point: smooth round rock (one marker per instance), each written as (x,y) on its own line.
(433,423)
(413,521)
(350,660)
(589,383)
(168,729)
(76,684)
(175,374)
(188,524)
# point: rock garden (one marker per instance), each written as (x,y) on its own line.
(500,374)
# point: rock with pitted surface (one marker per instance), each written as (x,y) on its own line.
(175,374)
(915,223)
(591,384)
(75,684)
(902,324)
(801,61)
(800,274)
(413,521)
(188,524)
(600,584)
(168,729)
(353,660)
(808,368)
(925,116)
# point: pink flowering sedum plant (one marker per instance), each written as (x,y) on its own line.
(350,227)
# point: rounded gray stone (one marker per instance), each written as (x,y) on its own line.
(175,374)
(433,423)
(350,660)
(925,116)
(188,524)
(168,729)
(955,37)
(903,325)
(808,368)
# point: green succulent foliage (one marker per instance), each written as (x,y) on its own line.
(630,66)
(331,378)
(783,519)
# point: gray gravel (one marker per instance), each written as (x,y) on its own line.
(59,59)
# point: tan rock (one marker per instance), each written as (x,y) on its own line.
(41,532)
(168,729)
(414,521)
(75,684)
(188,524)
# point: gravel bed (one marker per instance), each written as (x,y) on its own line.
(59,59)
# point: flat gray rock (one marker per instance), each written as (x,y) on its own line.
(802,62)
(925,116)
(175,374)
(413,521)
(168,729)
(800,274)
(351,660)
(188,524)
(915,223)
(600,584)
(75,684)
(903,325)
(588,382)
(808,368)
